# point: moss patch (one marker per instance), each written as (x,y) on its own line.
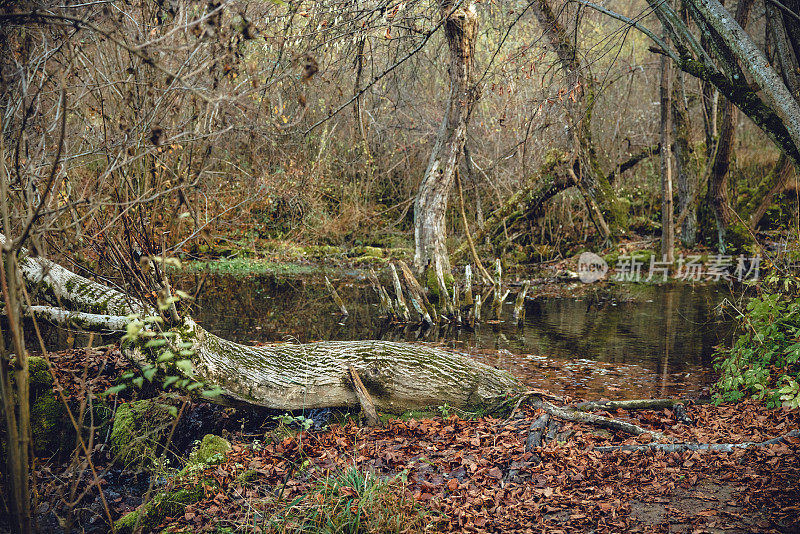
(373,252)
(173,503)
(138,428)
(169,504)
(49,424)
(209,449)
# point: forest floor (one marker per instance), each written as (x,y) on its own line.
(455,473)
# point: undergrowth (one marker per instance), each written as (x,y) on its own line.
(350,502)
(763,361)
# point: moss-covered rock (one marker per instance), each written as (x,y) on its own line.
(48,414)
(49,424)
(173,503)
(138,429)
(211,450)
(150,515)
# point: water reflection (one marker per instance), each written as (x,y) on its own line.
(627,341)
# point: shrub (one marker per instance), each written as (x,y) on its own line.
(763,361)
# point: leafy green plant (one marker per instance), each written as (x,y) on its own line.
(170,358)
(297,421)
(763,361)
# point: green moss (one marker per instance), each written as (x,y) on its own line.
(318,251)
(369,260)
(247,476)
(138,428)
(620,208)
(738,239)
(373,252)
(210,447)
(39,374)
(47,416)
(49,425)
(249,266)
(169,504)
(418,414)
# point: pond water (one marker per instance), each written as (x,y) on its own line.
(626,341)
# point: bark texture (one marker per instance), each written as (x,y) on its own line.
(430,205)
(667,230)
(398,376)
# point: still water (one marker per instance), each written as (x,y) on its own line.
(625,341)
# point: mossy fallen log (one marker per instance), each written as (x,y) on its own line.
(398,376)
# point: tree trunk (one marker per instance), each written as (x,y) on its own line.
(685,172)
(742,49)
(591,180)
(718,181)
(430,205)
(718,197)
(767,190)
(398,376)
(667,230)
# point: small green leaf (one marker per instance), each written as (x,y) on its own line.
(113,390)
(150,373)
(155,343)
(185,366)
(138,382)
(169,381)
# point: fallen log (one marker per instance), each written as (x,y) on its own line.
(535,434)
(680,447)
(398,376)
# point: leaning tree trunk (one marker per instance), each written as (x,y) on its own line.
(431,202)
(718,197)
(667,230)
(399,376)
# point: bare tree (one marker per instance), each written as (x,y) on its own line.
(430,205)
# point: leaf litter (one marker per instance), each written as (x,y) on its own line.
(475,476)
